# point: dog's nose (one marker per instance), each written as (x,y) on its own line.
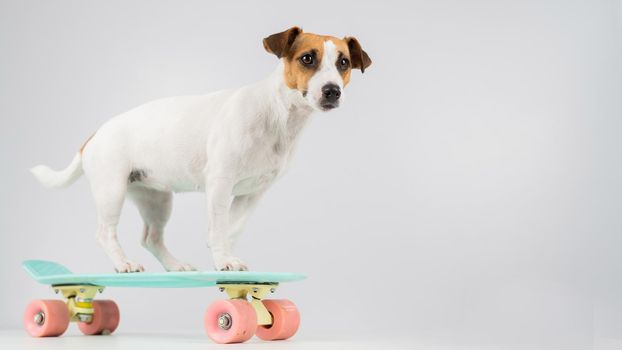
(331,92)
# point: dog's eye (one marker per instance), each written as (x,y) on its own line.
(344,63)
(306,59)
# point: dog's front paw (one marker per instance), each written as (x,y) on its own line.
(179,266)
(128,266)
(229,263)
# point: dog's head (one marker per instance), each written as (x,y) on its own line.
(318,66)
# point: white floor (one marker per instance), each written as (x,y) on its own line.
(18,339)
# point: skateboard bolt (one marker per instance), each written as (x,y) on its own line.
(224,321)
(272,290)
(222,289)
(255,290)
(39,318)
(85,318)
(81,290)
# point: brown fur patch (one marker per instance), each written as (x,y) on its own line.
(297,75)
(85,142)
(342,48)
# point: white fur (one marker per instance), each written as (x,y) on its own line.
(58,179)
(230,144)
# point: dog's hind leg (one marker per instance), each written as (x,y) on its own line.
(155,208)
(109,194)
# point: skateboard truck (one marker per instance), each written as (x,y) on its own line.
(79,300)
(243,291)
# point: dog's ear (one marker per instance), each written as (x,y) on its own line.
(280,43)
(359,58)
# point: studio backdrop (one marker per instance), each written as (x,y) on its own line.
(468,191)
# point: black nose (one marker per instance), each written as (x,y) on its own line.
(331,92)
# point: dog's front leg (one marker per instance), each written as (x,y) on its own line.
(219,196)
(241,208)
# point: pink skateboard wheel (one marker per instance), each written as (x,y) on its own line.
(46,318)
(105,320)
(285,320)
(230,321)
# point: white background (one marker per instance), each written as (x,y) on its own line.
(467,193)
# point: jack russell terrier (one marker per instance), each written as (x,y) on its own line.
(231,144)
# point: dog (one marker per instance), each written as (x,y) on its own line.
(230,144)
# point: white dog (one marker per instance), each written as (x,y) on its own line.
(232,144)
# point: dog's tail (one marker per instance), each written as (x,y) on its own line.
(57,179)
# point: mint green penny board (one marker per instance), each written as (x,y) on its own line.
(51,273)
(236,320)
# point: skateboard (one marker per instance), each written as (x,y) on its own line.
(234,320)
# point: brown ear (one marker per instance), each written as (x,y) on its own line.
(280,43)
(359,58)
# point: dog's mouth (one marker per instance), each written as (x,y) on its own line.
(327,106)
